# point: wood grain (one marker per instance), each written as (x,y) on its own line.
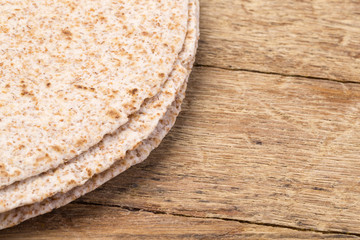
(318,38)
(260,148)
(256,142)
(77,221)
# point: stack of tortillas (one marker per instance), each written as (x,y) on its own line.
(88,89)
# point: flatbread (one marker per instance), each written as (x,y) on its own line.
(77,171)
(18,215)
(73,71)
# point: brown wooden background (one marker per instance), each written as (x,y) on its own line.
(267,145)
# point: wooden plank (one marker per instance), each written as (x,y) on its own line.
(100,222)
(255,147)
(319,38)
(248,146)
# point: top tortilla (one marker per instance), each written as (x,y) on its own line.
(73,71)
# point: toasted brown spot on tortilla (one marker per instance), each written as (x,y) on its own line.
(3,172)
(133,91)
(67,33)
(81,87)
(24,93)
(56,148)
(72,181)
(80,142)
(21,147)
(113,114)
(89,172)
(159,104)
(46,158)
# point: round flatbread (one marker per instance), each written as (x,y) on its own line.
(113,147)
(73,71)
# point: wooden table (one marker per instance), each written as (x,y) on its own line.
(267,145)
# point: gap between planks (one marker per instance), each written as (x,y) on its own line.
(132,209)
(274,73)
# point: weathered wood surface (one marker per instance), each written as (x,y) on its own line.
(255,147)
(317,38)
(99,222)
(256,142)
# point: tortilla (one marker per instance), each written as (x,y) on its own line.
(20,214)
(73,71)
(113,147)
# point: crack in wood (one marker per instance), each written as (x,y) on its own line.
(133,209)
(274,73)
